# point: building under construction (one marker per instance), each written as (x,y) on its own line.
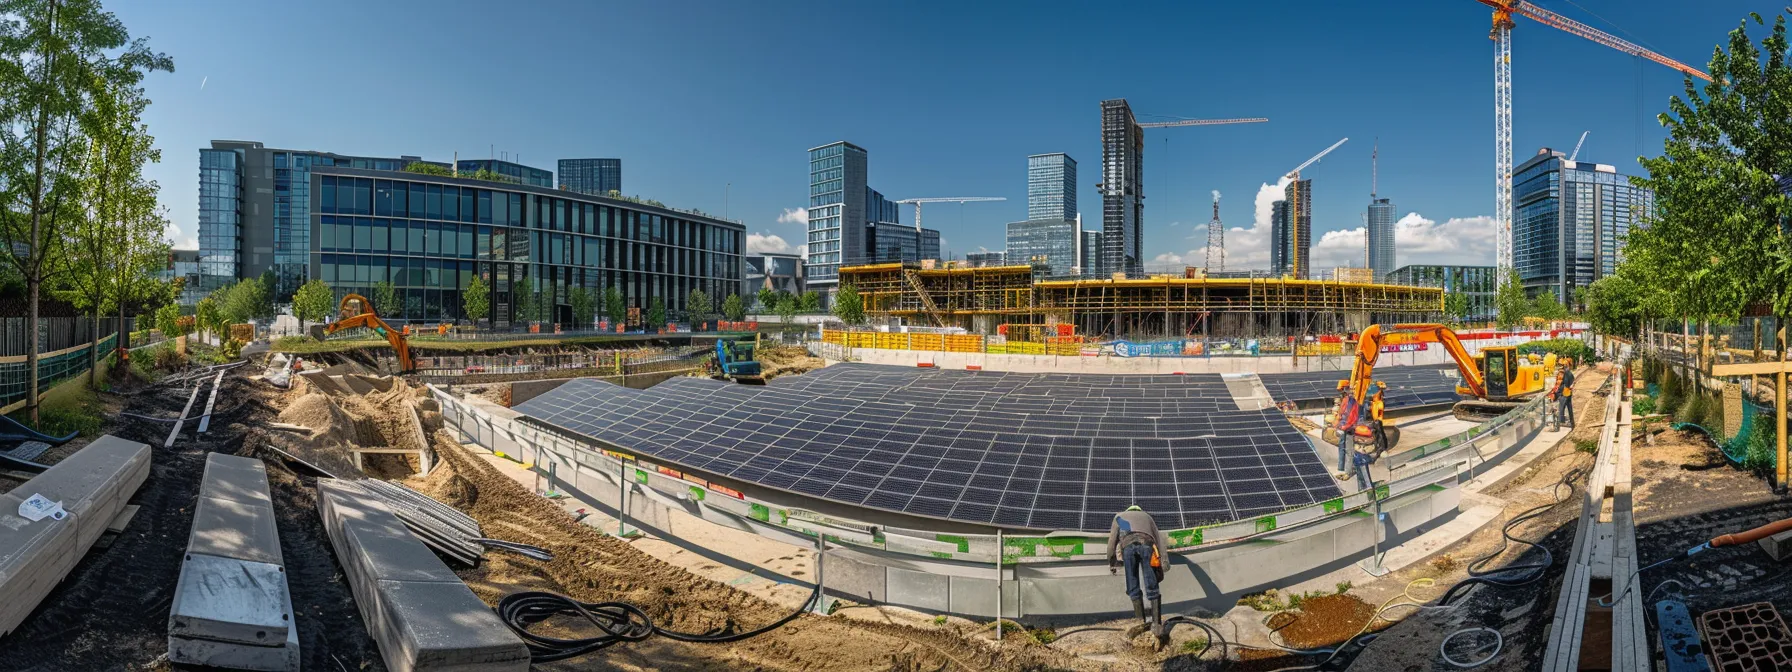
(981,299)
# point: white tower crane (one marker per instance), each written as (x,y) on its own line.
(1577,144)
(967,199)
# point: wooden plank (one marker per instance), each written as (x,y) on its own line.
(205,421)
(1754,368)
(175,432)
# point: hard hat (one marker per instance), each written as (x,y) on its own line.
(1134,507)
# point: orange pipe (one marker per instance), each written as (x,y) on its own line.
(1757,534)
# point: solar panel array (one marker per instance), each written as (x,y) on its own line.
(1034,451)
(1408,386)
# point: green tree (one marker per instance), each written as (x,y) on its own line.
(656,313)
(698,307)
(1456,307)
(168,320)
(205,314)
(584,307)
(56,56)
(848,306)
(385,299)
(614,307)
(525,300)
(768,299)
(1547,307)
(241,302)
(810,302)
(787,309)
(1614,306)
(313,302)
(476,299)
(1509,301)
(270,285)
(734,307)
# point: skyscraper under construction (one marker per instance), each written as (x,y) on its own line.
(1122,189)
(1299,196)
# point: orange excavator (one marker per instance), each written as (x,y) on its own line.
(357,311)
(1493,382)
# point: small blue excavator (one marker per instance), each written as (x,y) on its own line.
(735,360)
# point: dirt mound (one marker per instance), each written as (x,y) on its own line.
(1322,621)
(786,360)
(593,566)
(342,420)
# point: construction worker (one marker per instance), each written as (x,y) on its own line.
(1563,393)
(1136,539)
(1364,454)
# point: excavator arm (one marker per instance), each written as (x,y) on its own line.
(1374,338)
(369,319)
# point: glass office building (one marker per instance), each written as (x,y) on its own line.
(1378,238)
(1279,240)
(220,208)
(985,259)
(430,236)
(1051,186)
(519,173)
(897,243)
(1569,222)
(1122,189)
(836,210)
(1478,283)
(1089,255)
(1048,245)
(591,176)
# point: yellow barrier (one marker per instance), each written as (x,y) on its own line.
(1024,348)
(835,337)
(887,341)
(964,343)
(931,342)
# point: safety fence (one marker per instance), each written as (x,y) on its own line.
(1039,342)
(52,368)
(542,448)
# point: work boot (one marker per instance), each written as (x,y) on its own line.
(1138,612)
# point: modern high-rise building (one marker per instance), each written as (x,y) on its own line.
(1089,253)
(366,221)
(1378,237)
(985,259)
(851,223)
(1122,189)
(888,242)
(1299,196)
(1279,253)
(1048,245)
(519,173)
(1569,222)
(255,211)
(1051,186)
(1476,283)
(591,176)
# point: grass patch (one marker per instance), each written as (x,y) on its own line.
(1276,600)
(940,620)
(1443,563)
(79,413)
(1195,646)
(1343,587)
(1589,446)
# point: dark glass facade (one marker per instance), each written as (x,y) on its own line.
(591,176)
(1122,190)
(1569,220)
(220,217)
(429,236)
(1477,283)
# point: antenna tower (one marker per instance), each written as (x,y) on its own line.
(1216,238)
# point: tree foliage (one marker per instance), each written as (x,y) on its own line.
(698,306)
(385,299)
(768,299)
(734,308)
(787,308)
(584,307)
(525,300)
(206,317)
(848,306)
(615,307)
(810,302)
(1456,306)
(476,299)
(168,320)
(1509,302)
(656,313)
(313,302)
(422,168)
(1614,306)
(1716,242)
(1548,307)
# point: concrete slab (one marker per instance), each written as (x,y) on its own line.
(229,600)
(233,529)
(434,626)
(231,656)
(233,478)
(1779,546)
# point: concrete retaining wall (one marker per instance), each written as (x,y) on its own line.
(231,605)
(93,485)
(419,613)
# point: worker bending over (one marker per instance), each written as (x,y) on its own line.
(1140,547)
(1364,455)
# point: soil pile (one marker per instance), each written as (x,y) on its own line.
(592,566)
(341,420)
(784,360)
(1322,621)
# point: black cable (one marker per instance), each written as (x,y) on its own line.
(620,622)
(1519,574)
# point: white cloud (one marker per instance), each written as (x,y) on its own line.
(794,216)
(1167,259)
(762,243)
(187,243)
(1417,239)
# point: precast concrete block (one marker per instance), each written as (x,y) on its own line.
(919,589)
(977,597)
(440,626)
(236,479)
(861,581)
(34,556)
(233,656)
(230,600)
(231,528)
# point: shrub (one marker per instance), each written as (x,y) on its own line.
(1758,452)
(1641,405)
(1670,392)
(166,358)
(1692,410)
(1563,347)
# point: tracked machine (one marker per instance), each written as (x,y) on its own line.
(736,361)
(1493,382)
(357,311)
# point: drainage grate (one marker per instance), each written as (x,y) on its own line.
(1747,638)
(27,451)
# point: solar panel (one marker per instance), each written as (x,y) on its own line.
(1408,386)
(1040,451)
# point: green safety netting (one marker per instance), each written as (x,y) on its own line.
(1735,448)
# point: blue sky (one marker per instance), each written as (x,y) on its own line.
(948,97)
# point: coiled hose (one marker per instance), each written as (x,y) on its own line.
(619,621)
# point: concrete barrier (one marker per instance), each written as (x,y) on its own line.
(419,613)
(93,485)
(231,605)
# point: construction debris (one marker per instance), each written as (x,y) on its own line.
(443,528)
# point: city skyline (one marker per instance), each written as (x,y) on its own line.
(738,158)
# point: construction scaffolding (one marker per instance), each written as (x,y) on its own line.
(981,299)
